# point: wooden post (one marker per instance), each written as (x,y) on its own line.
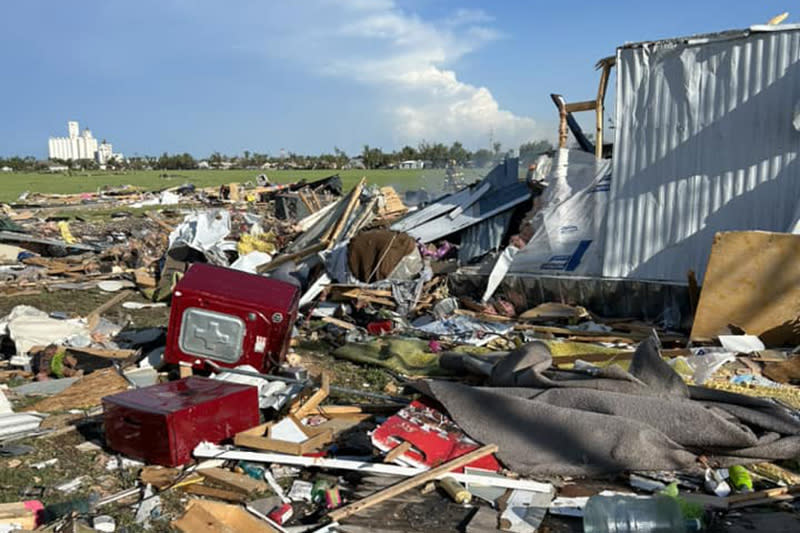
(562,120)
(337,229)
(606,63)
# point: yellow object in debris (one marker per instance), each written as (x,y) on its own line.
(66,235)
(264,242)
(455,490)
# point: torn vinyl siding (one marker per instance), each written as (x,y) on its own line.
(704,142)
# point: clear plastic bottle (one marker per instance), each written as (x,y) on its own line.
(631,514)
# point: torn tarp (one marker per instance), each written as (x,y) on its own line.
(550,422)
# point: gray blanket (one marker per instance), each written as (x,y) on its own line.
(550,422)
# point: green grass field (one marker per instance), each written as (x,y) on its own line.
(14,184)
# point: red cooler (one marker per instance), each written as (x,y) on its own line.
(162,424)
(230,317)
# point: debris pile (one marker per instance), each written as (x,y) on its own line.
(300,357)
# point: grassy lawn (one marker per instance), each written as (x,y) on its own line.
(13,184)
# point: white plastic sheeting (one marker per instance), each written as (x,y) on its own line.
(570,227)
(203,230)
(704,142)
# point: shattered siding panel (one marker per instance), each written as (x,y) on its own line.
(704,142)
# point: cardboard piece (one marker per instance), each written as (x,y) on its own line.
(752,282)
(203,516)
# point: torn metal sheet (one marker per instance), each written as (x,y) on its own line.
(438,208)
(488,206)
(484,237)
(12,236)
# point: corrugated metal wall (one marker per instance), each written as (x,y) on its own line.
(704,142)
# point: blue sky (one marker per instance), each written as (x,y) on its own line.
(308,75)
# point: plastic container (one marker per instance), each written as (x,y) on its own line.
(631,514)
(740,478)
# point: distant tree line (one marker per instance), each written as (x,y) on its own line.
(436,155)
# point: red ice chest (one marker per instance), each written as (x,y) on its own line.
(232,318)
(163,423)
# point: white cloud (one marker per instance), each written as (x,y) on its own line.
(408,60)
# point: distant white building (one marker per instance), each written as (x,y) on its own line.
(203,164)
(80,145)
(6,169)
(412,164)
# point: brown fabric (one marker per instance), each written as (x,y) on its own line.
(381,248)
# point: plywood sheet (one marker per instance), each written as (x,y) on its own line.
(752,281)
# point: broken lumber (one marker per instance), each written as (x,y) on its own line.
(212,492)
(93,317)
(408,484)
(233,481)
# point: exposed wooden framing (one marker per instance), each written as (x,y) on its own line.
(410,483)
(317,398)
(306,202)
(563,131)
(596,105)
(606,63)
(355,194)
(315,199)
(588,105)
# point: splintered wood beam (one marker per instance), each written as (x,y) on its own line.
(574,107)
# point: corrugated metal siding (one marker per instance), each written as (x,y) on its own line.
(483,237)
(704,142)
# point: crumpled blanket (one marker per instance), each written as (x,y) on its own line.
(571,423)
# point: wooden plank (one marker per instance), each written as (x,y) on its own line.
(410,483)
(93,317)
(158,220)
(306,202)
(233,481)
(212,492)
(397,451)
(587,105)
(363,296)
(749,282)
(340,323)
(278,261)
(330,239)
(317,398)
